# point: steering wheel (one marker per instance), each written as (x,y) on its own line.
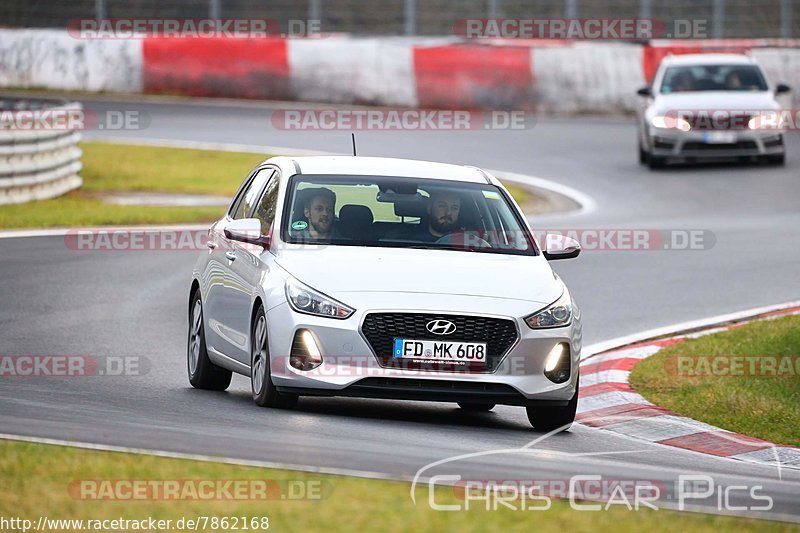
(467,240)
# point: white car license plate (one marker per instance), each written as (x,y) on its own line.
(719,137)
(468,352)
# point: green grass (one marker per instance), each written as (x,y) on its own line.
(37,480)
(110,168)
(116,167)
(767,407)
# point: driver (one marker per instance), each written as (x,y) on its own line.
(443,210)
(319,209)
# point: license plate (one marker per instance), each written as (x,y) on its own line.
(467,352)
(719,137)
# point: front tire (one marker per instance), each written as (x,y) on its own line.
(655,162)
(203,374)
(643,156)
(551,418)
(476,407)
(264,392)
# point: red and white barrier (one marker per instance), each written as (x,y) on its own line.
(542,75)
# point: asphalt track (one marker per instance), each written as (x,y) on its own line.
(59,301)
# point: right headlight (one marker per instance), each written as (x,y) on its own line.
(555,315)
(304,299)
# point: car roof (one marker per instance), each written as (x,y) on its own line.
(710,59)
(386,166)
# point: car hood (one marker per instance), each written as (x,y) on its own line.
(336,270)
(713,100)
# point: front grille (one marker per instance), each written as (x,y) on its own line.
(711,147)
(380,330)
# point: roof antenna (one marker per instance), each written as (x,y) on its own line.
(353,136)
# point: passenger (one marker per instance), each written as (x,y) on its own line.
(683,82)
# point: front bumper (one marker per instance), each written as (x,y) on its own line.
(351,368)
(716,143)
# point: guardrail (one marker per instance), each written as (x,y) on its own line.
(38,164)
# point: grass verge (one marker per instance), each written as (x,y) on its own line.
(113,168)
(690,378)
(45,480)
(110,168)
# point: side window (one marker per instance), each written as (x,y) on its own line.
(268,204)
(250,196)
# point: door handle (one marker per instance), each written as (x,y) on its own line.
(231,256)
(211,244)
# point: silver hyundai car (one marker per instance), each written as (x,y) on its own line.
(384,278)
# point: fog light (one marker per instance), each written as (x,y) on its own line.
(558,363)
(305,352)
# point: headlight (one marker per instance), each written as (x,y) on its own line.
(767,121)
(304,299)
(671,123)
(555,315)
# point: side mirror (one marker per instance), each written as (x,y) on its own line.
(645,91)
(560,247)
(247,230)
(782,88)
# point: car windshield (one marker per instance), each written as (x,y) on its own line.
(403,212)
(713,78)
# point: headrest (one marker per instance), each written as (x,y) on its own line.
(356,215)
(410,208)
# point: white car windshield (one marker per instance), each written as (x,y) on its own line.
(403,212)
(692,78)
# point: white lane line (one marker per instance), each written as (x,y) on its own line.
(215,146)
(57,232)
(681,327)
(586,203)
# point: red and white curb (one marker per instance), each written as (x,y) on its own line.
(608,402)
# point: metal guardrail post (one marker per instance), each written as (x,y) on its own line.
(786,19)
(410,16)
(718,22)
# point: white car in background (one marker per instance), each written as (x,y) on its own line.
(384,278)
(703,106)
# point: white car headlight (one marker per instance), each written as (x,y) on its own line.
(304,299)
(771,120)
(671,123)
(555,315)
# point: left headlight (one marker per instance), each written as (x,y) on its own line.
(304,299)
(555,315)
(671,123)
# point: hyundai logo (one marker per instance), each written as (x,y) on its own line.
(440,327)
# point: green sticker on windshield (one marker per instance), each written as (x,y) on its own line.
(300,225)
(491,195)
